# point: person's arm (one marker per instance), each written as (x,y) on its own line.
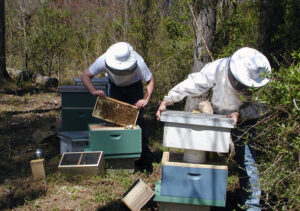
(248,111)
(149,90)
(162,107)
(87,82)
(195,85)
(251,111)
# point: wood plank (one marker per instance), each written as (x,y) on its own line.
(115,111)
(173,159)
(137,195)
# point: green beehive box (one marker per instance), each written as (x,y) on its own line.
(77,119)
(78,96)
(77,107)
(115,141)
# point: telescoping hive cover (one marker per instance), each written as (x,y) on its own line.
(115,111)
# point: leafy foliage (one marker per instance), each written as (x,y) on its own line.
(279,136)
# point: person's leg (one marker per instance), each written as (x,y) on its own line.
(131,94)
(248,173)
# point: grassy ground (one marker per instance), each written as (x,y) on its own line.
(28,121)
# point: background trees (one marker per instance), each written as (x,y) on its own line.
(3,73)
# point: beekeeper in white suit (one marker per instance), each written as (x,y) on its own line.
(126,71)
(231,79)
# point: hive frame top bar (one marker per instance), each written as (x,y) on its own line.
(184,117)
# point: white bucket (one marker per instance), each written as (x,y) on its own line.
(194,156)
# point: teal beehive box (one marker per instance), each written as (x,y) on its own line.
(77,107)
(115,141)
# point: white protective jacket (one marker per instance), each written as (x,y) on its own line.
(225,99)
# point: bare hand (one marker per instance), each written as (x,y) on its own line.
(234,116)
(141,103)
(99,93)
(162,107)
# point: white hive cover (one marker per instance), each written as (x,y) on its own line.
(184,117)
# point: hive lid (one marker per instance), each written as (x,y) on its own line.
(115,111)
(77,88)
(95,81)
(184,117)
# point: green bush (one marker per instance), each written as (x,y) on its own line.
(278,134)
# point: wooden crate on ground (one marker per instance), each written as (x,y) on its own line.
(82,162)
(115,111)
(37,168)
(137,195)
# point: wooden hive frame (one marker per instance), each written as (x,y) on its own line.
(115,111)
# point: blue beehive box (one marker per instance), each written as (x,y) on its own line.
(72,141)
(201,181)
(115,141)
(189,202)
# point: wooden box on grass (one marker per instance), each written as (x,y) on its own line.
(82,162)
(115,141)
(73,141)
(206,132)
(207,182)
(115,111)
(137,195)
(77,107)
(37,168)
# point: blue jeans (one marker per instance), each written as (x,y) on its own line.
(246,159)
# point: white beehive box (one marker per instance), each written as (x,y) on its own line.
(206,132)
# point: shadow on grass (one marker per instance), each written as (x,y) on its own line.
(118,205)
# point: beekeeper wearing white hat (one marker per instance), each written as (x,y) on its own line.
(231,80)
(125,70)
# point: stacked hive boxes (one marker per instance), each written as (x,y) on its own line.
(120,140)
(189,181)
(77,107)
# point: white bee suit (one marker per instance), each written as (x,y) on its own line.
(225,99)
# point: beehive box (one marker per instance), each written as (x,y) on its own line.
(73,141)
(167,206)
(206,132)
(82,162)
(116,165)
(95,81)
(202,181)
(137,195)
(182,202)
(115,141)
(77,107)
(115,111)
(37,168)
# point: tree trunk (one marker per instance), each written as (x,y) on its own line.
(271,16)
(3,73)
(204,28)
